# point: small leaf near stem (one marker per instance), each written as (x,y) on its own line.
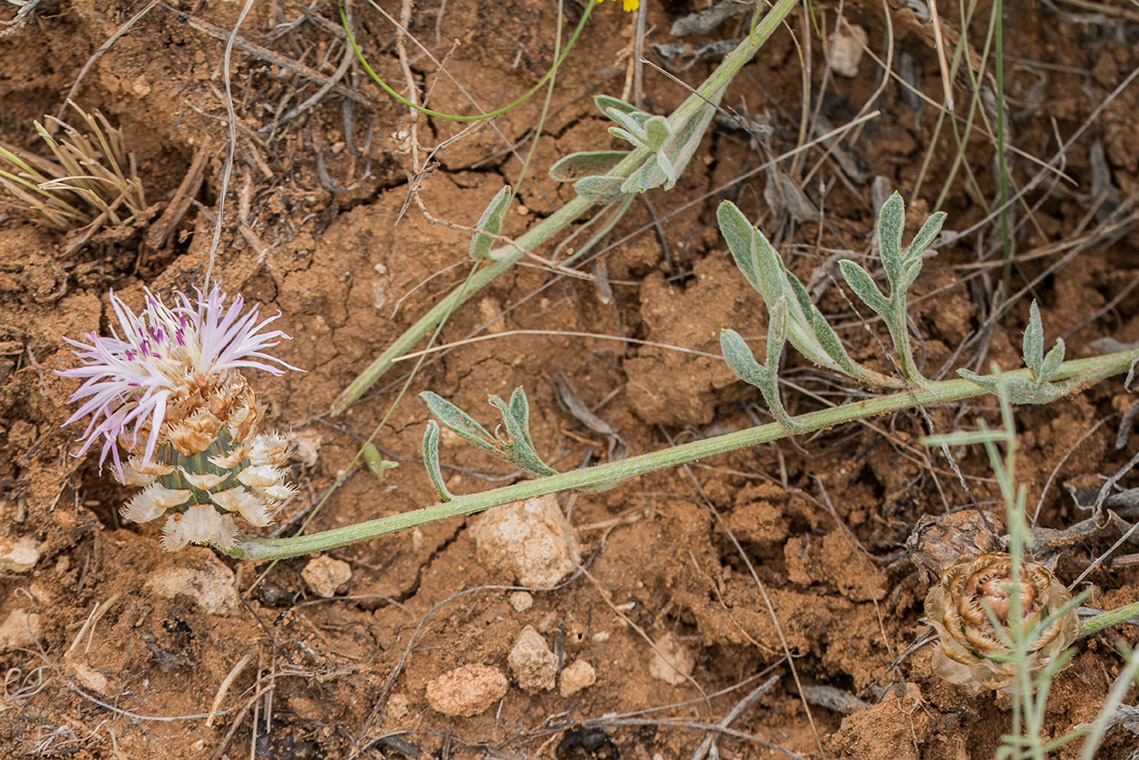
(490,221)
(431,460)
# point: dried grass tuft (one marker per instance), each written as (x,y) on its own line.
(90,182)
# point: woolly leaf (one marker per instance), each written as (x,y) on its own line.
(459,422)
(431,460)
(863,286)
(490,221)
(925,235)
(587,163)
(891,224)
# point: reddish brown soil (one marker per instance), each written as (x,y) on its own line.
(822,520)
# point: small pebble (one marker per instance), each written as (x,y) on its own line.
(534,666)
(325,575)
(672,662)
(467,690)
(847,48)
(576,677)
(521,601)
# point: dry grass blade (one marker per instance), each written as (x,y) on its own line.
(89,182)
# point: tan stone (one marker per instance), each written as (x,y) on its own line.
(526,540)
(534,666)
(467,690)
(577,676)
(198,574)
(672,662)
(325,575)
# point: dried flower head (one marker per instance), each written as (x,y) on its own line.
(169,390)
(975,590)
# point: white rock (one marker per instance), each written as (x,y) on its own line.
(576,677)
(467,690)
(672,662)
(19,554)
(325,575)
(195,572)
(89,678)
(527,541)
(521,601)
(19,631)
(847,48)
(534,666)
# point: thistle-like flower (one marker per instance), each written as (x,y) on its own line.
(169,390)
(972,593)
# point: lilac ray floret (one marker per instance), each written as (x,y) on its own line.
(129,376)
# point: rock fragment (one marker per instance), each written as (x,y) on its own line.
(576,677)
(847,48)
(467,690)
(527,540)
(534,666)
(325,575)
(19,631)
(19,554)
(198,574)
(672,662)
(521,601)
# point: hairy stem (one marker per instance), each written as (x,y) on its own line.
(506,256)
(1084,372)
(1109,618)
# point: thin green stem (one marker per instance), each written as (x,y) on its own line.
(1109,618)
(1083,371)
(506,256)
(455,117)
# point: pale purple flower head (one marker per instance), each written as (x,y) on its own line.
(130,377)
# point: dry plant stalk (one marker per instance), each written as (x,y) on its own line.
(90,183)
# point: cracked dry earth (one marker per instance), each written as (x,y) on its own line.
(428,643)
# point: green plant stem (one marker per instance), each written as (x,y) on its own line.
(1083,371)
(456,117)
(506,256)
(1108,619)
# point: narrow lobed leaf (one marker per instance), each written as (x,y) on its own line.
(863,286)
(1033,346)
(431,460)
(459,422)
(490,221)
(891,224)
(925,235)
(585,164)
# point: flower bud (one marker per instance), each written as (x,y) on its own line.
(973,599)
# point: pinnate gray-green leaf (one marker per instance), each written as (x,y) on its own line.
(490,221)
(606,102)
(599,189)
(1052,361)
(738,233)
(431,460)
